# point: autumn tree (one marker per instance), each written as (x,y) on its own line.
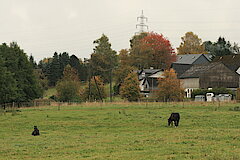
(136,56)
(68,89)
(191,44)
(130,88)
(103,59)
(152,50)
(124,68)
(95,90)
(170,88)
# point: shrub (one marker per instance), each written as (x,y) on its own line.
(130,88)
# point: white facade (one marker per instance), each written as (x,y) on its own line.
(189,85)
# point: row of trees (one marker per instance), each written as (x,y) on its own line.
(192,44)
(25,80)
(146,50)
(169,88)
(53,67)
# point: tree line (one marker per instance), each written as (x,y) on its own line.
(24,80)
(18,82)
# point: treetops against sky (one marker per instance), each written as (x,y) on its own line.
(71,26)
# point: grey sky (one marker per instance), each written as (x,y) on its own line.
(42,27)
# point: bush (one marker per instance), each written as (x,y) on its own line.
(68,91)
(169,87)
(215,91)
(130,88)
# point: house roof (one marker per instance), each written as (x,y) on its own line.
(197,70)
(150,71)
(159,74)
(147,72)
(231,61)
(190,58)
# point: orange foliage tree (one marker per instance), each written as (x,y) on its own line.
(153,50)
(191,44)
(124,68)
(170,88)
(130,88)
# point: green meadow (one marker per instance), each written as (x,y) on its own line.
(122,131)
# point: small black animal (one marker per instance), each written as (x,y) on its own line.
(174,117)
(35,131)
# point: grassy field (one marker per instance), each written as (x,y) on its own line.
(124,131)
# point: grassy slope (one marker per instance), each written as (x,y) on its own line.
(98,131)
(50,92)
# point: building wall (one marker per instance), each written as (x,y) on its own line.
(201,60)
(190,83)
(219,76)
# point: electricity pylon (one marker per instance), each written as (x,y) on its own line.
(142,26)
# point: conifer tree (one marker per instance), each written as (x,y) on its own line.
(54,72)
(103,59)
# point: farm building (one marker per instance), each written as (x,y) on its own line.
(184,62)
(231,61)
(212,75)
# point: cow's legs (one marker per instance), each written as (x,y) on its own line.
(176,123)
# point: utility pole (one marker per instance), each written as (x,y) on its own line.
(111,85)
(142,26)
(89,80)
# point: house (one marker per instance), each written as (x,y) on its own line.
(148,80)
(212,75)
(146,72)
(186,61)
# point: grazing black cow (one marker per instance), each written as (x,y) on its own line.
(35,131)
(174,117)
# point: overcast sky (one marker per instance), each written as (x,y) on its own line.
(42,27)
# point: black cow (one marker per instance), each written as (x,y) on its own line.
(174,117)
(35,131)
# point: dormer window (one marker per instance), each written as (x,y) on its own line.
(143,74)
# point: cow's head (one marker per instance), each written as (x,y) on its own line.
(169,121)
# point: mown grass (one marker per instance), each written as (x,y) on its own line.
(125,131)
